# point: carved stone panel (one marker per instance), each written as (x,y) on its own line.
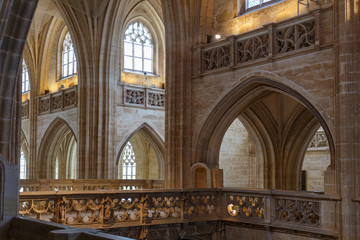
(216,58)
(296,36)
(56,102)
(254,48)
(297,211)
(156,99)
(69,98)
(135,96)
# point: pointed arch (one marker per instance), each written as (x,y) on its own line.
(155,141)
(243,99)
(59,138)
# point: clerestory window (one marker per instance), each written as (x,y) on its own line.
(69,63)
(128,163)
(138,48)
(25,81)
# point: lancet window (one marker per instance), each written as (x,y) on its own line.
(138,48)
(25,81)
(128,163)
(69,63)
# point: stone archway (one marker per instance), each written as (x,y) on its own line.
(143,136)
(58,144)
(281,117)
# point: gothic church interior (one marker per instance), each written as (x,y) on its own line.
(181,119)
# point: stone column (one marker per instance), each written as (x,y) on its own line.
(15,20)
(347,109)
(94,27)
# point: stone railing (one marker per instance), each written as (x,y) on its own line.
(61,100)
(32,185)
(145,97)
(295,211)
(319,140)
(25,109)
(271,42)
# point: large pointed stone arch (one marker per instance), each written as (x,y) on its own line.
(48,146)
(243,97)
(155,141)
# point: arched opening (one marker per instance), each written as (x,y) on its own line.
(58,152)
(277,125)
(316,161)
(141,156)
(24,157)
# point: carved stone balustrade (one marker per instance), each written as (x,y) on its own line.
(319,141)
(61,100)
(144,97)
(273,41)
(34,185)
(25,109)
(302,212)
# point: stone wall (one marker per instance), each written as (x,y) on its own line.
(316,161)
(236,158)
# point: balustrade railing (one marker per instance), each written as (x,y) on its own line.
(319,140)
(57,101)
(34,185)
(140,96)
(25,109)
(272,41)
(298,211)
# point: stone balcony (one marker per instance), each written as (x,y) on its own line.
(113,211)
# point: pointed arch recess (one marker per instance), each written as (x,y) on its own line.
(237,102)
(48,146)
(155,141)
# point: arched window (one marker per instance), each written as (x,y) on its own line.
(138,48)
(129,163)
(25,82)
(68,57)
(22,165)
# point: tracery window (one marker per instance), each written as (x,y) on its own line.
(22,165)
(138,48)
(128,163)
(69,63)
(256,3)
(25,81)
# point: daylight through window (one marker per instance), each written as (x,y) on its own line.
(128,163)
(25,82)
(138,48)
(69,64)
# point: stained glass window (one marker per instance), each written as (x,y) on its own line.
(69,64)
(128,163)
(138,48)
